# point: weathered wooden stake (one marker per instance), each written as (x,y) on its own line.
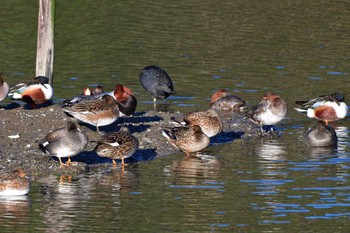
(45,39)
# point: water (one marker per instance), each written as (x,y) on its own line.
(297,49)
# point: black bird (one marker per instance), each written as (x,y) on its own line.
(156,82)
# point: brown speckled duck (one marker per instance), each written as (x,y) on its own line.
(208,120)
(221,100)
(96,112)
(117,145)
(14,183)
(64,142)
(189,139)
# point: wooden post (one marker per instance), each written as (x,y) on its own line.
(45,39)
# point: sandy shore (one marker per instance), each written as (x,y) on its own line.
(22,128)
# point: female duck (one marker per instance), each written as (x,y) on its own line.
(321,135)
(14,183)
(189,139)
(117,145)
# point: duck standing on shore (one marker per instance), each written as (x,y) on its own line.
(117,145)
(33,92)
(96,112)
(64,142)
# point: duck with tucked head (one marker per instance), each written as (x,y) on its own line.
(271,110)
(208,120)
(189,139)
(321,135)
(87,94)
(33,92)
(14,183)
(126,100)
(96,112)
(156,82)
(221,100)
(327,108)
(64,142)
(117,145)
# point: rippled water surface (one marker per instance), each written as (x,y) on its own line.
(299,49)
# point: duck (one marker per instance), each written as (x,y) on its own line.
(321,135)
(14,183)
(189,139)
(327,108)
(126,100)
(117,145)
(33,92)
(4,89)
(221,100)
(64,142)
(97,112)
(269,111)
(87,94)
(208,120)
(156,82)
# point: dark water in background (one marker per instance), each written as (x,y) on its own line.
(297,49)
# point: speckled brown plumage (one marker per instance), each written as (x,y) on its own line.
(96,112)
(189,139)
(208,120)
(117,145)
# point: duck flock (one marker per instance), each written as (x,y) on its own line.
(190,134)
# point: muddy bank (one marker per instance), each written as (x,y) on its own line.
(21,129)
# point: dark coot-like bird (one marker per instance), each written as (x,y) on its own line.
(156,82)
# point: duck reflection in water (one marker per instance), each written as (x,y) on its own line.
(63,196)
(14,209)
(190,169)
(271,150)
(116,180)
